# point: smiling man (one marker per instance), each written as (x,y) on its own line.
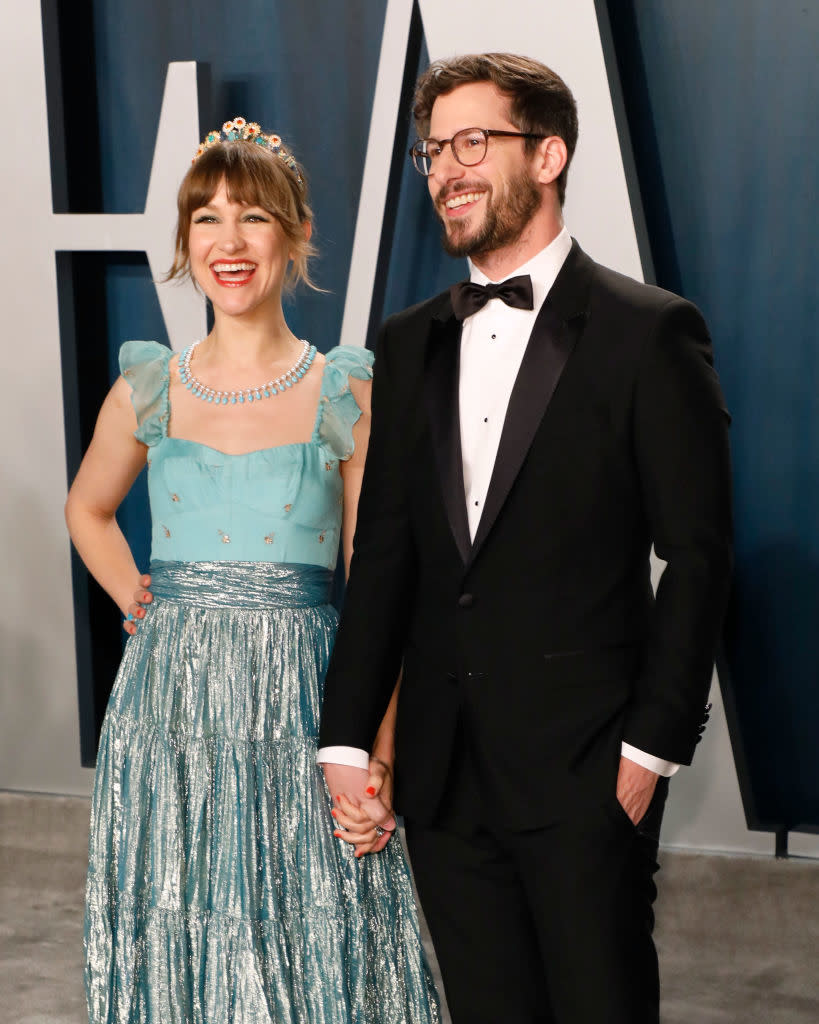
(535,430)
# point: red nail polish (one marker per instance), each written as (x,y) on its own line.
(370,790)
(338,799)
(334,812)
(337,835)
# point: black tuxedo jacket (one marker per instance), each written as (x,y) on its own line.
(542,639)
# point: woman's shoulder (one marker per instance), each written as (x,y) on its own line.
(136,354)
(342,404)
(144,365)
(349,361)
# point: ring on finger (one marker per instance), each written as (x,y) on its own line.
(381,831)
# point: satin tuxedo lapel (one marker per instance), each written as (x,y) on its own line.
(558,326)
(441,377)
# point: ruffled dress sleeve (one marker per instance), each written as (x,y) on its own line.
(144,364)
(339,409)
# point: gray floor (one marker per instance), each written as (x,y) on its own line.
(738,937)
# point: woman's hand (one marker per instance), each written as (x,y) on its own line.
(369,825)
(379,783)
(136,611)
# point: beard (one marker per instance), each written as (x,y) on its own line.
(503,222)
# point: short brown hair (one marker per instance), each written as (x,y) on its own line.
(254,176)
(540,101)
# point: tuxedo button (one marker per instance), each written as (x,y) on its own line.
(466,601)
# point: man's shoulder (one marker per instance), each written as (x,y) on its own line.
(413,317)
(613,286)
(635,311)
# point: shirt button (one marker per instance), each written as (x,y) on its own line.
(465,601)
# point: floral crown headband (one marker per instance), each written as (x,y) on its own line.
(240,130)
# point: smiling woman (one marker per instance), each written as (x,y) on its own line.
(211,851)
(237,247)
(249,178)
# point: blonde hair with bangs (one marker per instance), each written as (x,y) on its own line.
(255,177)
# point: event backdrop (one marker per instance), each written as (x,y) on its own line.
(719,101)
(722,101)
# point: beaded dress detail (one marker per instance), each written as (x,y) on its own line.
(216,891)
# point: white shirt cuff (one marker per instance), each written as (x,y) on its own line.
(654,764)
(351,756)
(357,758)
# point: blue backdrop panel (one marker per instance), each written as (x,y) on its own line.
(300,70)
(418,266)
(726,145)
(722,102)
(132,312)
(297,69)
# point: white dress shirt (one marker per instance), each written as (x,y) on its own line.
(493,342)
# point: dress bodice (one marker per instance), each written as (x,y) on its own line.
(280,504)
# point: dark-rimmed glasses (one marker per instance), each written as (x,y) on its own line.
(468,147)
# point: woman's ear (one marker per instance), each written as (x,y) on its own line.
(307,228)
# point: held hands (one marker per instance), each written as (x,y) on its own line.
(135,611)
(635,788)
(362,805)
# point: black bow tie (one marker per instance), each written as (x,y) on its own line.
(468,297)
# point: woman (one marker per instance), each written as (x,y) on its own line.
(215,891)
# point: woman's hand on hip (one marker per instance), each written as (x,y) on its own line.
(136,610)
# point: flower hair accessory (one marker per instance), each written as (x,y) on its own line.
(239,130)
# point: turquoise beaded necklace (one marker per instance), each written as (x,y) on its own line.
(269,390)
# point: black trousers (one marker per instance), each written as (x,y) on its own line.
(548,926)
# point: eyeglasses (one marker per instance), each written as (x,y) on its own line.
(468,147)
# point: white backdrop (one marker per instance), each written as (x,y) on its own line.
(39,742)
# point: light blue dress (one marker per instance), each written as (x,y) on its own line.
(216,891)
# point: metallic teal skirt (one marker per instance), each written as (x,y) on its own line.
(216,891)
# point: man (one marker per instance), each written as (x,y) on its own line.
(528,445)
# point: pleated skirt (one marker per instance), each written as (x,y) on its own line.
(216,891)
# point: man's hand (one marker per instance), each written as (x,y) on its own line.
(635,788)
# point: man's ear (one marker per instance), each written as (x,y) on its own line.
(550,159)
